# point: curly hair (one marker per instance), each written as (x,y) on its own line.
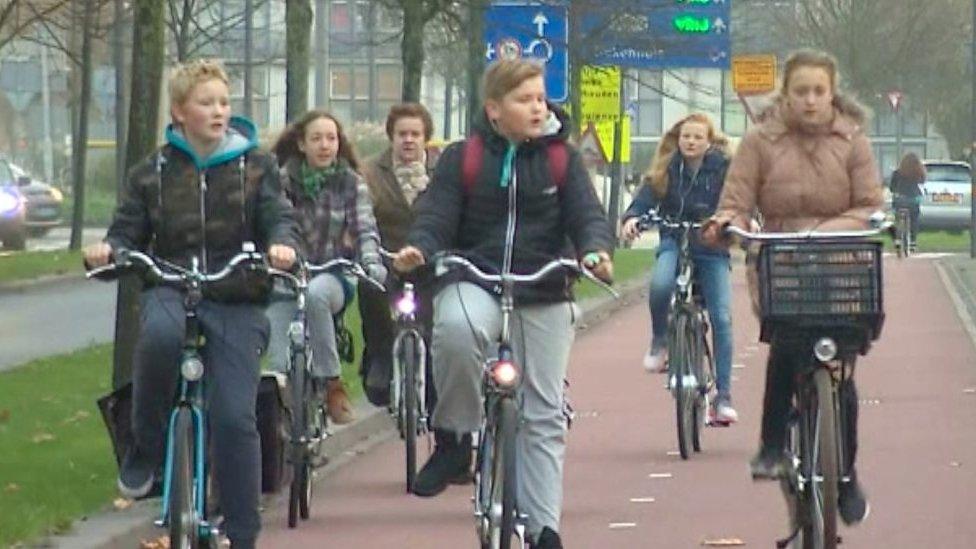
(186,76)
(410,110)
(911,167)
(286,147)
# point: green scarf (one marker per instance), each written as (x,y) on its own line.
(313,179)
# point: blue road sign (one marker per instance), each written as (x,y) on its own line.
(652,34)
(531,30)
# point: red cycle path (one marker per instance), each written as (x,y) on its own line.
(917,460)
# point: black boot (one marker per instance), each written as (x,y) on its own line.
(548,539)
(451,459)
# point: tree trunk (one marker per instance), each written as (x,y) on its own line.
(476,58)
(298,29)
(147,74)
(79,143)
(412,49)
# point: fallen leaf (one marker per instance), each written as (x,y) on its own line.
(12,487)
(161,542)
(77,416)
(4,416)
(121,504)
(723,542)
(955,464)
(42,437)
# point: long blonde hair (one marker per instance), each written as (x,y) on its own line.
(657,175)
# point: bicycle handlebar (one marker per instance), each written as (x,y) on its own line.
(451,260)
(651,217)
(313,269)
(807,235)
(127,258)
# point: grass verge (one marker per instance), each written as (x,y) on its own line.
(30,265)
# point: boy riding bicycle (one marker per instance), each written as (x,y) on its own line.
(515,216)
(204,193)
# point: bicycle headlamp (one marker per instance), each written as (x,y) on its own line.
(505,374)
(9,201)
(825,349)
(406,305)
(192,368)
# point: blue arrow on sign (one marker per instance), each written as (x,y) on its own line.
(531,30)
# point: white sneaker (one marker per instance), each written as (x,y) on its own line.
(656,362)
(725,413)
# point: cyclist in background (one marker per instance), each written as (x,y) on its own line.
(906,190)
(808,166)
(684,184)
(320,177)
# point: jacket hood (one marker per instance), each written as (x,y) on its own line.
(849,120)
(241,137)
(556,128)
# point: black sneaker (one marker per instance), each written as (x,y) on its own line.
(854,506)
(768,464)
(548,539)
(136,475)
(450,461)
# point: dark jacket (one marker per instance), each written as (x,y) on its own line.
(547,219)
(688,198)
(339,221)
(177,205)
(904,189)
(393,213)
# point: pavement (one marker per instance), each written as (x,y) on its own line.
(124,528)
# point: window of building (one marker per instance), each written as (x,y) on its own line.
(345,77)
(388,82)
(644,93)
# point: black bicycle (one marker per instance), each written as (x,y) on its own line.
(904,245)
(309,423)
(691,367)
(496,508)
(187,471)
(821,292)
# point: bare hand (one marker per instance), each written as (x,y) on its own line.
(97,255)
(629,229)
(713,232)
(601,266)
(408,259)
(281,256)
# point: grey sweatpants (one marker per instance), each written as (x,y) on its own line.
(236,335)
(467,322)
(325,299)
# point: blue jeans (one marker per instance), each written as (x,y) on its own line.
(712,271)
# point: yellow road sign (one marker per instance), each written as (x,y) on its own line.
(753,74)
(600,94)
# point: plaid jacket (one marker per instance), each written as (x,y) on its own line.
(339,222)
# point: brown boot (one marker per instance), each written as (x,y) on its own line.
(337,402)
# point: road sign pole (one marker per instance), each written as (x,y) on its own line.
(617,175)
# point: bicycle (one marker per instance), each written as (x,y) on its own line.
(186,477)
(691,366)
(408,382)
(496,508)
(824,292)
(904,245)
(309,423)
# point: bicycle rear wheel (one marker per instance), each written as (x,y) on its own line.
(679,359)
(181,512)
(408,352)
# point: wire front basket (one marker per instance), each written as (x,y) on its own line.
(821,284)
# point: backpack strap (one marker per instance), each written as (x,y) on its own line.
(472,157)
(558,156)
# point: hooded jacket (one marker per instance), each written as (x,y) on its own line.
(177,205)
(476,222)
(799,179)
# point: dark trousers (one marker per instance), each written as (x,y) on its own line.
(236,335)
(785,359)
(379,331)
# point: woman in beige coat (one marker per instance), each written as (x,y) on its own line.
(809,165)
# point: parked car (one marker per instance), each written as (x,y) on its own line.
(42,201)
(947,202)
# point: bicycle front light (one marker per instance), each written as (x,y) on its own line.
(825,349)
(9,202)
(406,305)
(192,368)
(504,374)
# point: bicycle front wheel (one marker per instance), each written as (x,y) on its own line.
(301,395)
(501,505)
(181,512)
(819,464)
(679,359)
(410,404)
